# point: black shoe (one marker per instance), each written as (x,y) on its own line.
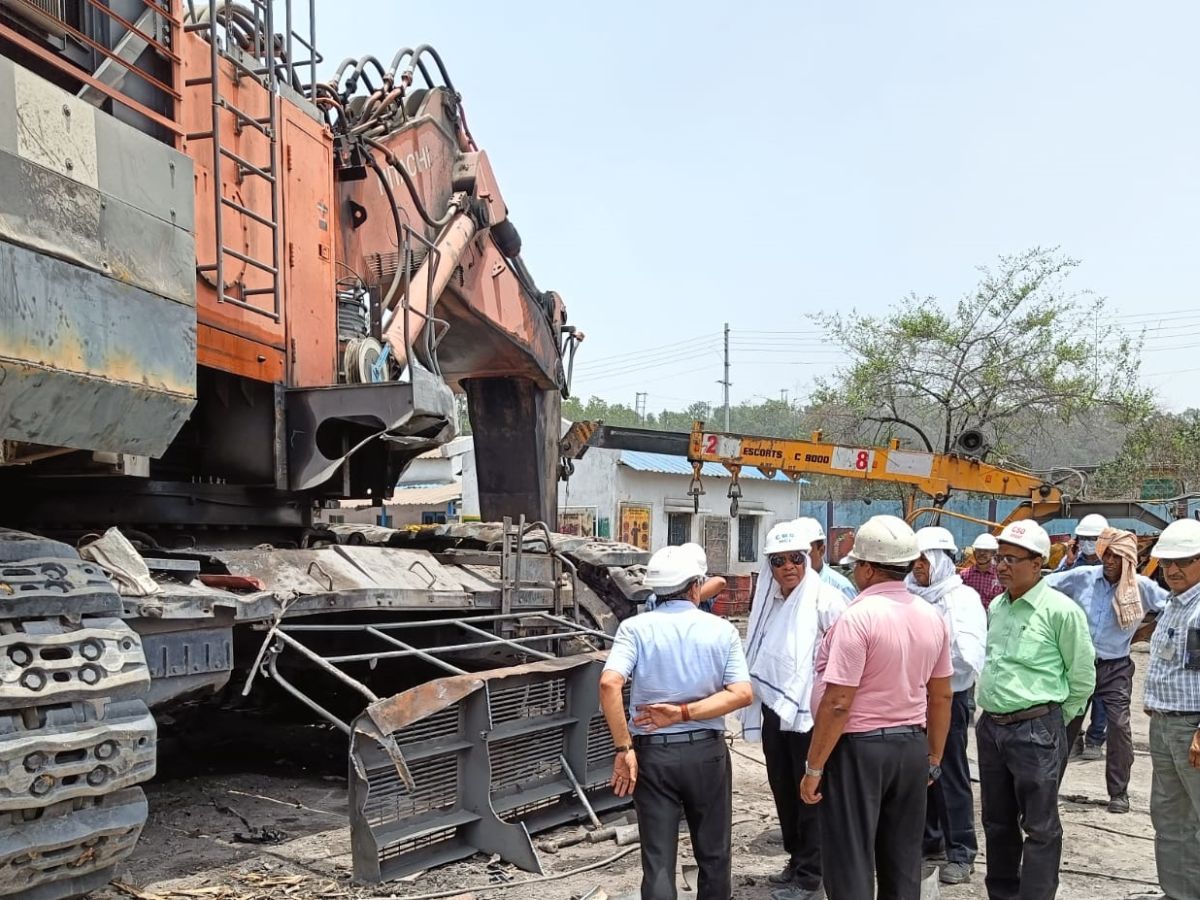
(956,873)
(1119,804)
(786,876)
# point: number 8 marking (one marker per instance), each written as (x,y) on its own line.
(862,460)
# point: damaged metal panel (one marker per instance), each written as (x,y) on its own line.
(55,130)
(44,211)
(471,763)
(89,362)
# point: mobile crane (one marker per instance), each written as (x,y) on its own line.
(232,291)
(935,475)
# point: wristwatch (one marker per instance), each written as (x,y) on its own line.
(935,771)
(811,772)
(624,748)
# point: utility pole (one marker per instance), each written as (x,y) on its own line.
(639,406)
(783,392)
(726,382)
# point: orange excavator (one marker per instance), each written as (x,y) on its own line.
(232,291)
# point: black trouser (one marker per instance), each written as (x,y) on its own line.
(1114,685)
(950,812)
(699,778)
(1019,766)
(786,753)
(872,816)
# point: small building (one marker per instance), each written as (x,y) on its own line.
(643,499)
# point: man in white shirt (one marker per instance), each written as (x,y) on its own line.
(950,813)
(792,610)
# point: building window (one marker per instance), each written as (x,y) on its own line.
(679,528)
(433,518)
(337,520)
(748,539)
(716,543)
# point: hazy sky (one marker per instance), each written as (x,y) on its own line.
(673,166)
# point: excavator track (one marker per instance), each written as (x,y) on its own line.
(76,736)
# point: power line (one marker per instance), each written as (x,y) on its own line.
(654,362)
(616,357)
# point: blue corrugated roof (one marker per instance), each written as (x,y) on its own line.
(679,465)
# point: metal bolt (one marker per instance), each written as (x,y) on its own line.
(42,785)
(33,680)
(106,750)
(89,675)
(97,776)
(20,655)
(90,650)
(70,165)
(35,761)
(126,644)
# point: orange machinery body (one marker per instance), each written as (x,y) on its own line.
(296,344)
(492,327)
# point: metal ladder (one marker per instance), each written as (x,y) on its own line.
(264,73)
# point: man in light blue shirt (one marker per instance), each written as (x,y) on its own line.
(1095,589)
(816,555)
(688,671)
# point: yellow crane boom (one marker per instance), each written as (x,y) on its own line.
(934,474)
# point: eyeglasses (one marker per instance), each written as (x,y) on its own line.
(1009,560)
(780,560)
(1178,563)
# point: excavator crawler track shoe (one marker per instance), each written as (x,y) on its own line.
(70,849)
(49,661)
(70,753)
(56,586)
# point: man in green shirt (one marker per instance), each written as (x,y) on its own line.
(1038,675)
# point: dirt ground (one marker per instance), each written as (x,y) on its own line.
(189,850)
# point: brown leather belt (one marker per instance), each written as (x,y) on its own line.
(1021,715)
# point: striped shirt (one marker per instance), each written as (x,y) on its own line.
(1169,686)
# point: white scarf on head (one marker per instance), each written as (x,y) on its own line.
(781,643)
(943,578)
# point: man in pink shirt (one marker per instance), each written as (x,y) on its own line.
(883,699)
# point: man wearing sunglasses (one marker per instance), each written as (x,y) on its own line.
(882,703)
(793,608)
(1173,702)
(1038,675)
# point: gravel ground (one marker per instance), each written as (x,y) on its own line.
(189,850)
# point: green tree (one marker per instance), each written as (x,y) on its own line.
(1015,357)
(1163,446)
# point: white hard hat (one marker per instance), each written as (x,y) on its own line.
(698,552)
(986,542)
(787,536)
(672,569)
(1179,540)
(935,538)
(1091,525)
(812,527)
(1028,535)
(886,540)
